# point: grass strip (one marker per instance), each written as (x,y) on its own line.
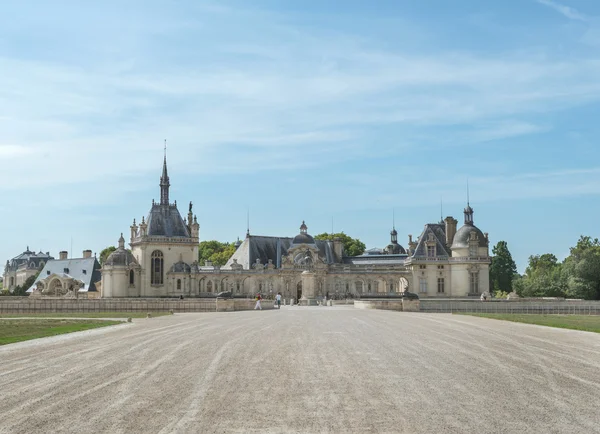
(588,323)
(18,330)
(82,315)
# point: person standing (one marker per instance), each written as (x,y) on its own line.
(258,299)
(278,300)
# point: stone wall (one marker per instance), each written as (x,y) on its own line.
(29,305)
(401,305)
(578,307)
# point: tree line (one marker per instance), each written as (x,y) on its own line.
(577,276)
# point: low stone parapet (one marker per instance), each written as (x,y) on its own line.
(401,305)
(140,305)
(248,304)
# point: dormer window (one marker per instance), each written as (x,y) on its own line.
(66,270)
(431,251)
(473,250)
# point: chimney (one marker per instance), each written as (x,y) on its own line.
(450,229)
(338,248)
(62,255)
(412,245)
(87,254)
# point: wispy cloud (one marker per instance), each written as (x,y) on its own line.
(567,11)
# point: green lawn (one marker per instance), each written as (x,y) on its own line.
(17,330)
(83,315)
(590,323)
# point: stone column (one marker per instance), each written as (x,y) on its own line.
(309,292)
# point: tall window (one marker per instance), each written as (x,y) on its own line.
(475,283)
(441,285)
(131,278)
(178,283)
(422,285)
(359,286)
(157,264)
(369,288)
(209,286)
(431,251)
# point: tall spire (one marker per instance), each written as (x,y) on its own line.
(164,181)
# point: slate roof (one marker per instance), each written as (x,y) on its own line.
(120,257)
(28,257)
(165,220)
(85,269)
(461,239)
(439,235)
(274,248)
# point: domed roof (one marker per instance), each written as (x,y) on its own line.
(395,249)
(303,237)
(120,257)
(461,239)
(181,267)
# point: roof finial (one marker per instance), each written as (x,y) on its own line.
(468,204)
(441,209)
(393,218)
(248,222)
(164,181)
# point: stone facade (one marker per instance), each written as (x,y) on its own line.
(20,268)
(441,262)
(163,256)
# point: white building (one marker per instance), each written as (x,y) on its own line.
(163,261)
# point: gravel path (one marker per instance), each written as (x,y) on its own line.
(304,370)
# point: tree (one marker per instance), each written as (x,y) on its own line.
(21,290)
(215,251)
(502,269)
(105,253)
(352,246)
(544,277)
(582,267)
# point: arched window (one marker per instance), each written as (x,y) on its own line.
(369,288)
(178,283)
(12,281)
(238,287)
(209,286)
(131,278)
(157,268)
(41,265)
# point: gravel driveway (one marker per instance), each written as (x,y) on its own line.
(304,369)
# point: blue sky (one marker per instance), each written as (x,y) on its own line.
(300,110)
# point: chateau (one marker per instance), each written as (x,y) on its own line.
(163,262)
(21,267)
